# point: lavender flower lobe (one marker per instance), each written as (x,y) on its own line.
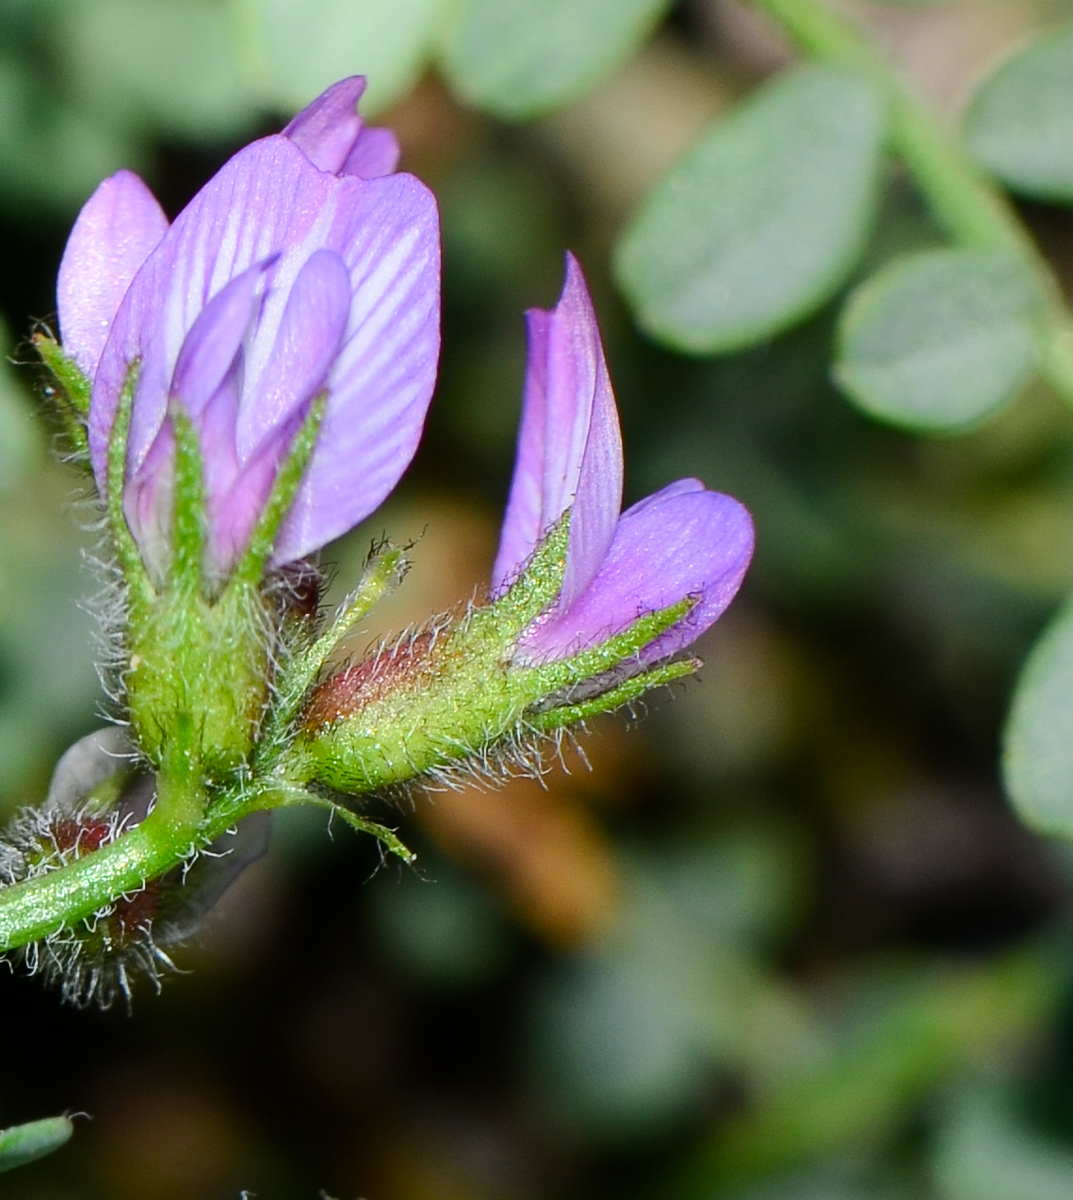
(303,267)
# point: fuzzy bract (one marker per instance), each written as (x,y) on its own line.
(305,268)
(684,543)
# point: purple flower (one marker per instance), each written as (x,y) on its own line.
(305,267)
(683,542)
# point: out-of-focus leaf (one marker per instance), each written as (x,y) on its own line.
(297,50)
(49,152)
(48,685)
(823,1184)
(168,65)
(20,438)
(735,890)
(1038,758)
(897,1054)
(23,1144)
(763,220)
(521,58)
(623,1035)
(626,1035)
(941,339)
(441,926)
(984,1153)
(1020,124)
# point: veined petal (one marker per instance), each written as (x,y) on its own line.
(598,495)
(684,542)
(327,130)
(117,229)
(375,153)
(148,500)
(524,522)
(216,426)
(680,487)
(307,342)
(267,200)
(211,347)
(234,508)
(349,304)
(387,232)
(569,446)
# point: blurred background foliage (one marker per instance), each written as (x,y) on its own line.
(781,940)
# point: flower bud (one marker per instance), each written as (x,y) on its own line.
(424,703)
(589,605)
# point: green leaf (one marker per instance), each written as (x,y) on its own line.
(297,50)
(1020,124)
(167,65)
(521,58)
(985,1151)
(914,1037)
(763,220)
(23,1144)
(51,152)
(1038,754)
(940,339)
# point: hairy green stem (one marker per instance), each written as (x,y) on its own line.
(972,210)
(185,818)
(37,907)
(177,827)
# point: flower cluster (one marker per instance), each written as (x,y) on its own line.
(255,378)
(250,382)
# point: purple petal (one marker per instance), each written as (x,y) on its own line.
(235,509)
(148,500)
(681,542)
(118,227)
(524,523)
(680,487)
(266,200)
(216,428)
(375,153)
(238,478)
(209,351)
(270,200)
(149,494)
(306,344)
(569,445)
(387,233)
(327,130)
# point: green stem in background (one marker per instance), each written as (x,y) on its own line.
(934,1024)
(972,210)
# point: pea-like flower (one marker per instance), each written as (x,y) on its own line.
(305,269)
(684,543)
(588,607)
